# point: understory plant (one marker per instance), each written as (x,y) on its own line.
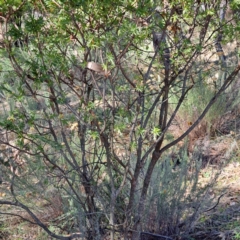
(86,111)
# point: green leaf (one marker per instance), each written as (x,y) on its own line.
(156,132)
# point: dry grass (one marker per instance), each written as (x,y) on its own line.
(223,221)
(15,228)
